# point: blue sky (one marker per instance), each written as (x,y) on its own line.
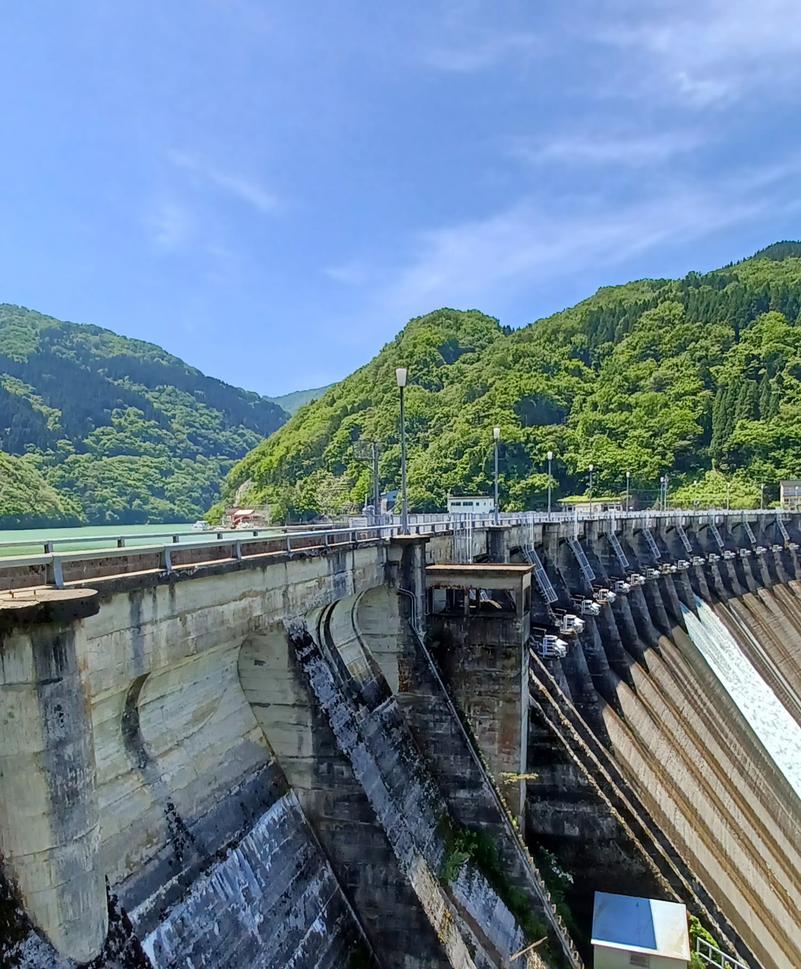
(270,190)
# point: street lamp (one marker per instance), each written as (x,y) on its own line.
(592,468)
(628,488)
(761,497)
(496,434)
(401,374)
(550,480)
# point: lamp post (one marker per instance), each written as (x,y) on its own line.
(592,468)
(401,374)
(628,488)
(550,480)
(761,497)
(496,435)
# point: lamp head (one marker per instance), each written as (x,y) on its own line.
(496,433)
(550,455)
(592,468)
(400,375)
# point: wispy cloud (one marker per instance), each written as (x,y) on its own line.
(170,224)
(711,52)
(238,186)
(474,263)
(352,273)
(485,50)
(604,148)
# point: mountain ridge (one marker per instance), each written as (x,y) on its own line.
(694,377)
(122,430)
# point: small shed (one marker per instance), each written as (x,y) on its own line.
(470,505)
(790,494)
(639,933)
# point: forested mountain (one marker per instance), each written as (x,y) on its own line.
(699,377)
(121,429)
(294,401)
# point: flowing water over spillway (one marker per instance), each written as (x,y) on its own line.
(774,726)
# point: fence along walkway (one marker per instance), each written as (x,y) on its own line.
(186,549)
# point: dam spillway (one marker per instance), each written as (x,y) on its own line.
(360,752)
(775,728)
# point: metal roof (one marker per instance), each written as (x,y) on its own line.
(646,925)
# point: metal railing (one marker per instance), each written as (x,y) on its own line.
(582,559)
(711,955)
(685,541)
(240,543)
(540,575)
(716,533)
(649,538)
(617,548)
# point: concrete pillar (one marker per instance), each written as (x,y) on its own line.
(484,656)
(497,544)
(49,826)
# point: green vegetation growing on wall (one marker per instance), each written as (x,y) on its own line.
(700,377)
(463,844)
(123,430)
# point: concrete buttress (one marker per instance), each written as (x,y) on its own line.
(49,819)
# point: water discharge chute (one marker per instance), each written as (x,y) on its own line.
(776,729)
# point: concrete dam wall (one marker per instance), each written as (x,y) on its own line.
(678,706)
(362,753)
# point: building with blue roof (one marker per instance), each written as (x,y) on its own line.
(639,933)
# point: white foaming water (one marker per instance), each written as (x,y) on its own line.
(776,729)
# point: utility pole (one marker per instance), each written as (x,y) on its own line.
(496,434)
(401,374)
(369,452)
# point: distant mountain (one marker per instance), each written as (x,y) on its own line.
(120,429)
(294,401)
(697,377)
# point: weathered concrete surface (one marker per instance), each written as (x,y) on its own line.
(271,901)
(49,818)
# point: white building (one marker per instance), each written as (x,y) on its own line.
(470,505)
(639,933)
(790,494)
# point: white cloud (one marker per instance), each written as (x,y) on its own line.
(352,273)
(710,52)
(170,224)
(624,148)
(482,52)
(474,263)
(232,183)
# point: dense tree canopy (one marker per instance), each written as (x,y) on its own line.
(698,377)
(121,429)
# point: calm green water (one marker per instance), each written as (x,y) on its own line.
(94,536)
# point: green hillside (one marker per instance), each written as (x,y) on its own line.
(121,429)
(292,403)
(700,377)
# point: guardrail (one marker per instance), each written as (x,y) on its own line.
(48,568)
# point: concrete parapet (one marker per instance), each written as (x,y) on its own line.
(49,823)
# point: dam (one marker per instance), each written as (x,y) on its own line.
(351,747)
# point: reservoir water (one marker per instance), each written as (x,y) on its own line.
(93,536)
